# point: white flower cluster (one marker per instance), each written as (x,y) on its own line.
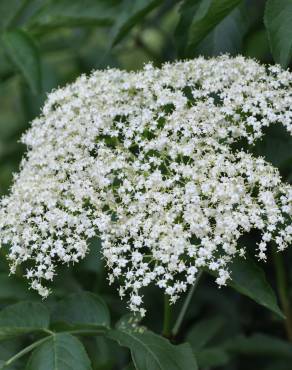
(145,161)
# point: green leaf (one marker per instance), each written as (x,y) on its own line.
(200,335)
(100,353)
(130,366)
(187,11)
(259,345)
(198,18)
(276,146)
(249,279)
(211,357)
(13,288)
(150,351)
(8,348)
(61,352)
(82,310)
(132,12)
(23,318)
(204,331)
(68,13)
(8,9)
(278,22)
(227,36)
(256,46)
(22,51)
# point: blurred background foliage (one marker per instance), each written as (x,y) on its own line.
(45,44)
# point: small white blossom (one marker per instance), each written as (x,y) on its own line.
(144,161)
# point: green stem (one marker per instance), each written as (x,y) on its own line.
(47,331)
(26,350)
(283,292)
(185,306)
(167,317)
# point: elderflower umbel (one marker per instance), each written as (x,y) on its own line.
(144,160)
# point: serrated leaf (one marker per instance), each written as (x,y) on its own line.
(61,352)
(203,332)
(150,351)
(67,13)
(24,54)
(23,318)
(198,18)
(249,279)
(82,310)
(131,13)
(278,22)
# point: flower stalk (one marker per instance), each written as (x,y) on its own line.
(185,306)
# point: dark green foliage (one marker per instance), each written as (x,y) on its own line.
(23,318)
(65,13)
(199,17)
(24,54)
(48,43)
(60,351)
(249,279)
(151,351)
(82,309)
(278,20)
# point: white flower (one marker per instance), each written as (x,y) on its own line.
(144,161)
(136,300)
